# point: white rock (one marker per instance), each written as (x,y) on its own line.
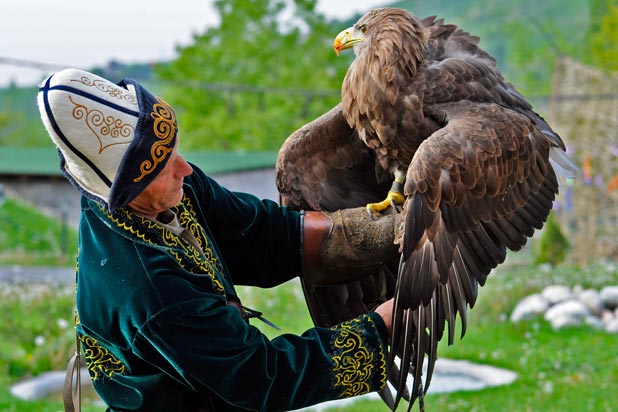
(609,297)
(607,315)
(563,306)
(562,320)
(45,384)
(612,326)
(529,307)
(592,300)
(569,308)
(556,293)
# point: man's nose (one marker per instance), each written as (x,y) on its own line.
(184,168)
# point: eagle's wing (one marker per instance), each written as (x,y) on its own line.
(476,187)
(324,166)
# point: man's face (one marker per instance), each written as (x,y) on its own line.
(165,191)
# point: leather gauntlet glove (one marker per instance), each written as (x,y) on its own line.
(347,244)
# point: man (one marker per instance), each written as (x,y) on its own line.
(161,246)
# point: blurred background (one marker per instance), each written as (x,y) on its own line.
(242,76)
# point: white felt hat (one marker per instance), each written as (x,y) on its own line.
(113,139)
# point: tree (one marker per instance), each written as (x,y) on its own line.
(265,70)
(603,34)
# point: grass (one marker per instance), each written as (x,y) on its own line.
(571,369)
(28,237)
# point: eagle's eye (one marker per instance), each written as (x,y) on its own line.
(363,28)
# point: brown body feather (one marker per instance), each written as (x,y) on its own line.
(426,101)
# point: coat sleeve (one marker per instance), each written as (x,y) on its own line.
(259,240)
(244,368)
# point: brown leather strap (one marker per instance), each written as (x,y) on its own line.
(73,368)
(316,227)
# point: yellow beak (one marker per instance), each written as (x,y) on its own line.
(347,39)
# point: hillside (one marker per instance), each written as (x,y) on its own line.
(525,36)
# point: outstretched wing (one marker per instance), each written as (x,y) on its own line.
(324,166)
(477,187)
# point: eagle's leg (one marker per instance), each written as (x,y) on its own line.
(393,199)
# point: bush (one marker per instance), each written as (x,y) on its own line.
(551,246)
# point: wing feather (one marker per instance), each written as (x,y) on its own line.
(475,188)
(324,166)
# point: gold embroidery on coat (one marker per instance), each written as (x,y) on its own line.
(186,218)
(100,361)
(106,87)
(164,129)
(189,258)
(354,363)
(104,127)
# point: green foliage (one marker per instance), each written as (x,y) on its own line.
(525,36)
(603,35)
(20,124)
(255,78)
(36,336)
(5,119)
(284,306)
(9,403)
(28,237)
(551,245)
(36,332)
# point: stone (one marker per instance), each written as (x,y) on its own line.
(45,384)
(529,307)
(562,306)
(562,320)
(556,293)
(570,308)
(612,326)
(609,297)
(607,315)
(592,300)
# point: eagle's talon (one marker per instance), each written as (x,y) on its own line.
(392,200)
(394,206)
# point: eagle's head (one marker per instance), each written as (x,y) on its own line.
(394,36)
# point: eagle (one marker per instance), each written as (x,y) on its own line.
(427,127)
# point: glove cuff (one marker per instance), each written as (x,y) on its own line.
(346,244)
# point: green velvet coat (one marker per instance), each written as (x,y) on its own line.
(157,332)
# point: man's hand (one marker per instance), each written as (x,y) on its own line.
(385,310)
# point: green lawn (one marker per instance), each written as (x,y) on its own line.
(28,237)
(567,370)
